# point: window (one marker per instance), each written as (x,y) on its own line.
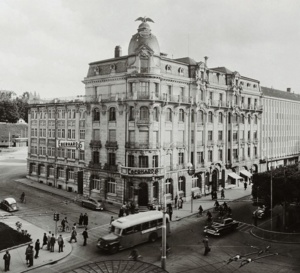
(192,116)
(95,183)
(69,133)
(181,92)
(210,117)
(235,135)
(112,135)
(131,88)
(235,153)
(229,118)
(96,156)
(220,135)
(180,158)
(156,89)
(131,113)
(255,135)
(169,186)
(201,117)
(181,184)
(243,119)
(255,151)
(82,134)
(211,96)
(73,133)
(210,135)
(111,186)
(96,134)
(200,158)
(192,137)
(111,159)
(143,161)
(61,173)
(169,91)
(181,115)
(210,156)
(112,114)
(249,135)
(144,87)
(81,155)
(71,175)
(63,135)
(220,117)
(255,119)
(130,160)
(169,115)
(220,155)
(234,118)
(155,161)
(42,170)
(61,152)
(144,113)
(249,151)
(249,119)
(72,154)
(51,172)
(220,97)
(249,102)
(155,114)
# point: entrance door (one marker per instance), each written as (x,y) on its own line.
(80,182)
(143,194)
(214,179)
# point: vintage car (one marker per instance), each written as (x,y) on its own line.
(221,227)
(9,204)
(92,204)
(261,212)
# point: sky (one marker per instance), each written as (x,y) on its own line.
(46,46)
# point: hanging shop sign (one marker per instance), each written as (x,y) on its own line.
(79,145)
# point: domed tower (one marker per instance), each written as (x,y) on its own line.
(143,49)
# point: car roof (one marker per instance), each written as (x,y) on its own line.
(10,200)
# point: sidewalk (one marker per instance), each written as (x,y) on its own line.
(18,262)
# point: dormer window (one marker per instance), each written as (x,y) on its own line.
(180,70)
(113,67)
(168,68)
(254,85)
(248,84)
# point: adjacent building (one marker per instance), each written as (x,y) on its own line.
(149,128)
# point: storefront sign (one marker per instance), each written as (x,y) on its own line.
(70,144)
(142,171)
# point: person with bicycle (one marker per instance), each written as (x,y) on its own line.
(22,198)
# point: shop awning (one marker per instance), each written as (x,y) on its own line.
(234,176)
(246,173)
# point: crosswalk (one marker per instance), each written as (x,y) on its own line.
(244,227)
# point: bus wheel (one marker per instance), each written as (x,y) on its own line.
(153,237)
(113,249)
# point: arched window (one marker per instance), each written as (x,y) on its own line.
(255,119)
(155,190)
(249,119)
(155,114)
(220,117)
(82,115)
(144,113)
(96,114)
(181,185)
(234,118)
(169,186)
(181,115)
(243,119)
(210,117)
(169,115)
(229,118)
(192,116)
(112,114)
(201,117)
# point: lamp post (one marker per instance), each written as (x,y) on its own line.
(191,172)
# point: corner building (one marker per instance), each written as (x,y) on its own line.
(145,120)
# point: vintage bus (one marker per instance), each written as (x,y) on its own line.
(134,229)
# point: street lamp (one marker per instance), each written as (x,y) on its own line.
(191,172)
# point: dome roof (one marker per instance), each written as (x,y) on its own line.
(143,37)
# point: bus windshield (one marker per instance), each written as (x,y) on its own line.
(115,230)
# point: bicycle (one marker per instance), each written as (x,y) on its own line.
(67,228)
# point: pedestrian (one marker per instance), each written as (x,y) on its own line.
(75,226)
(222,194)
(52,243)
(27,252)
(132,207)
(206,246)
(60,242)
(63,223)
(175,201)
(85,220)
(30,256)
(212,195)
(6,259)
(45,240)
(200,209)
(245,185)
(85,236)
(37,248)
(127,209)
(48,241)
(121,212)
(81,219)
(73,235)
(170,211)
(111,220)
(180,202)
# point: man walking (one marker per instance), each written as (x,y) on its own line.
(85,220)
(205,242)
(60,242)
(6,259)
(48,242)
(52,243)
(30,256)
(85,236)
(37,248)
(73,235)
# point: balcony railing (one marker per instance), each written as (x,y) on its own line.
(112,168)
(95,144)
(141,145)
(95,165)
(143,121)
(180,144)
(111,144)
(200,143)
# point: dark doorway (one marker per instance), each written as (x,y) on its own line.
(80,182)
(143,194)
(214,179)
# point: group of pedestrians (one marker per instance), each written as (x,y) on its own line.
(127,208)
(83,220)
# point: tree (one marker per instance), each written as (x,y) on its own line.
(9,111)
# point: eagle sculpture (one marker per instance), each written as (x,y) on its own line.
(144,19)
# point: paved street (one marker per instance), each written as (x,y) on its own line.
(185,241)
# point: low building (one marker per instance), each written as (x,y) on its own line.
(13,134)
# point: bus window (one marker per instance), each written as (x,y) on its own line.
(115,230)
(159,222)
(128,231)
(153,223)
(145,226)
(137,228)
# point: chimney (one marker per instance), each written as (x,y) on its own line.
(205,60)
(288,90)
(118,51)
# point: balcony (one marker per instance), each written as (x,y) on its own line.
(96,144)
(200,143)
(93,165)
(111,144)
(141,145)
(111,168)
(180,144)
(143,122)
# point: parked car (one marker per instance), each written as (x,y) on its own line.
(92,204)
(9,204)
(221,227)
(261,212)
